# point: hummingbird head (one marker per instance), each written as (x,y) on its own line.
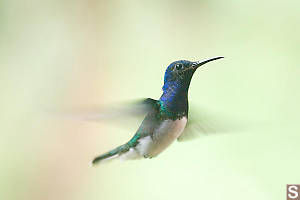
(179,73)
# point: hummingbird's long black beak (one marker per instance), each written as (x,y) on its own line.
(197,64)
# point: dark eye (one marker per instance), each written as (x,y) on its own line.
(178,66)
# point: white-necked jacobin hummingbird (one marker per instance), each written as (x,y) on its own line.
(166,118)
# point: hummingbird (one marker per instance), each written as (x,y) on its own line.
(165,118)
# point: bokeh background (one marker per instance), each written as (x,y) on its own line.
(63,54)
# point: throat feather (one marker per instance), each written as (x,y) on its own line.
(174,100)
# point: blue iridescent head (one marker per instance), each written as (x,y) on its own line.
(179,73)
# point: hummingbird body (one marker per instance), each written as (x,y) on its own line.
(168,131)
(166,118)
(151,143)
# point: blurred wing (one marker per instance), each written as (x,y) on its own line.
(122,113)
(208,123)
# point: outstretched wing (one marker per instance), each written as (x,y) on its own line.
(122,113)
(208,123)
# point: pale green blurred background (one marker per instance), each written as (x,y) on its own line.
(61,54)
